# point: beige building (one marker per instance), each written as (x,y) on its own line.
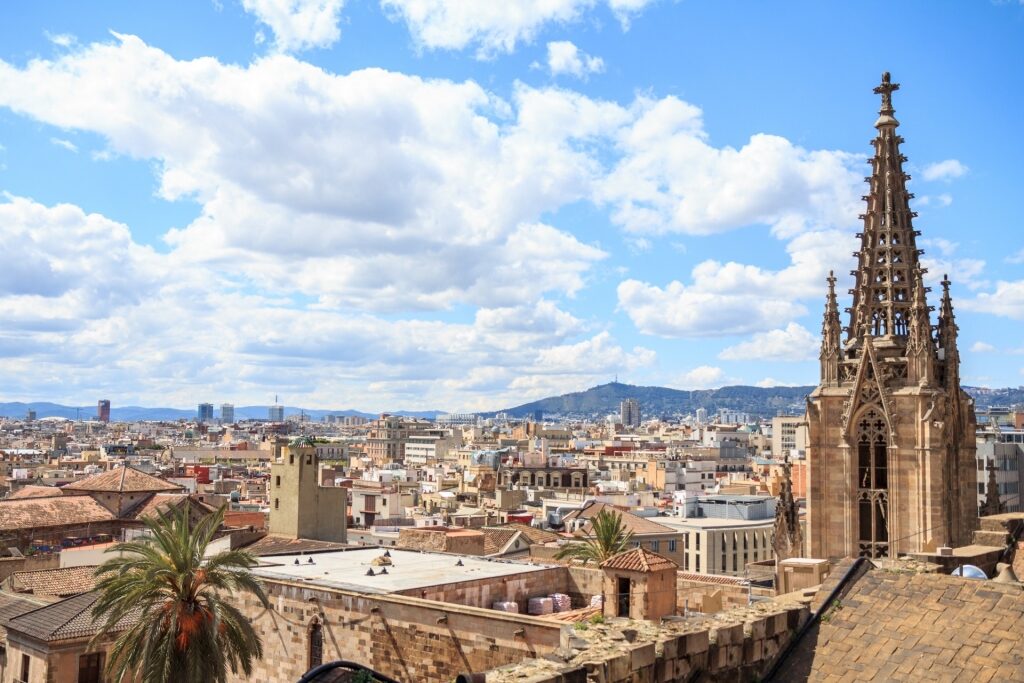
(789,435)
(299,506)
(891,448)
(722,546)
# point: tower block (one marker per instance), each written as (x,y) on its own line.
(891,452)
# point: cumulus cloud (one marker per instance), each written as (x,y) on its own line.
(298,24)
(701,377)
(982,347)
(732,298)
(944,170)
(671,179)
(1007,300)
(565,58)
(493,27)
(793,343)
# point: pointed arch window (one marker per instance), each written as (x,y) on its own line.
(873,484)
(316,644)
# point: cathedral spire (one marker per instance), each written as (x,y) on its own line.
(831,331)
(888,253)
(947,338)
(787,539)
(992,504)
(920,346)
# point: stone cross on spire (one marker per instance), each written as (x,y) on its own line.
(885,89)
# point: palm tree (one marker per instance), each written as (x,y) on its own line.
(607,537)
(182,625)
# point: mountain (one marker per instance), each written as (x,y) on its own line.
(18,409)
(604,399)
(656,401)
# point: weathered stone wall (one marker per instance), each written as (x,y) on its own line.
(9,565)
(483,593)
(408,638)
(463,542)
(736,647)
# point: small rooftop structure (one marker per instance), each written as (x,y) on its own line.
(122,480)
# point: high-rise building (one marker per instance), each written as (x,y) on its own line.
(103,410)
(227,413)
(275,413)
(629,413)
(30,416)
(891,446)
(205,412)
(702,416)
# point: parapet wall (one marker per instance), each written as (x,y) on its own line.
(735,647)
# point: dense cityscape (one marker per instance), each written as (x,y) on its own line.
(788,505)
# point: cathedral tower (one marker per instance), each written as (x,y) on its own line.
(891,435)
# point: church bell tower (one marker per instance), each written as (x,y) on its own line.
(891,451)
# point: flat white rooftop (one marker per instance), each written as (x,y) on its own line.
(347,569)
(704,523)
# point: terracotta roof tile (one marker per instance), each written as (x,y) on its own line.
(32,491)
(639,560)
(39,513)
(59,582)
(283,545)
(640,526)
(64,620)
(122,480)
(496,538)
(161,503)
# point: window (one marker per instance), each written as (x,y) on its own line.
(277,480)
(655,545)
(873,485)
(671,546)
(25,662)
(277,503)
(316,645)
(90,668)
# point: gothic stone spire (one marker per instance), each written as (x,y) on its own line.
(992,504)
(920,345)
(787,539)
(831,330)
(888,253)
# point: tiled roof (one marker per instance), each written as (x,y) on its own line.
(38,513)
(12,606)
(32,491)
(639,560)
(283,545)
(122,480)
(634,523)
(161,503)
(536,536)
(496,538)
(711,578)
(58,582)
(64,620)
(914,626)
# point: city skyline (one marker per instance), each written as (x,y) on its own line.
(392,206)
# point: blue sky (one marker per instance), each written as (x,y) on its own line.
(467,205)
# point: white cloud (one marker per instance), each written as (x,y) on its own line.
(66,144)
(298,24)
(769,382)
(454,175)
(943,246)
(493,26)
(732,298)
(565,58)
(671,179)
(794,343)
(61,39)
(1007,300)
(982,347)
(701,377)
(944,170)
(967,271)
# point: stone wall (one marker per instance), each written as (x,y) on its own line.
(735,647)
(408,638)
(483,593)
(9,565)
(441,540)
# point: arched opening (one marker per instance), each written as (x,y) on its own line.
(316,644)
(873,484)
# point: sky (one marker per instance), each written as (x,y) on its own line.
(467,204)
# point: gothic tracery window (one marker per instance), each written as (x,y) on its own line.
(873,485)
(316,644)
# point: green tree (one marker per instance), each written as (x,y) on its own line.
(606,538)
(182,625)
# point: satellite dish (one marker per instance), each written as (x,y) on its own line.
(969,571)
